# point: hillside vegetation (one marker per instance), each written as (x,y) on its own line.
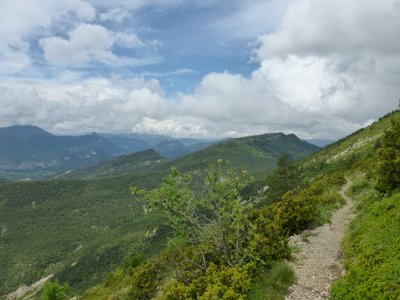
(193,267)
(257,154)
(121,165)
(82,229)
(204,236)
(77,229)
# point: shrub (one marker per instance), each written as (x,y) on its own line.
(55,291)
(388,169)
(295,212)
(145,280)
(222,282)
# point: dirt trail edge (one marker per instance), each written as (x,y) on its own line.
(318,264)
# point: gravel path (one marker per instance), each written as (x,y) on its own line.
(318,264)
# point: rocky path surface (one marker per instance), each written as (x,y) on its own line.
(318,262)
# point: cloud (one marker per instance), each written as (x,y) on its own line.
(21,21)
(128,40)
(95,104)
(328,68)
(89,43)
(85,43)
(115,15)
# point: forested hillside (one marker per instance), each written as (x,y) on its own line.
(82,229)
(121,165)
(236,252)
(200,233)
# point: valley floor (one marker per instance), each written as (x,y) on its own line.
(317,263)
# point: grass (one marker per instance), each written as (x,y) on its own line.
(273,283)
(372,248)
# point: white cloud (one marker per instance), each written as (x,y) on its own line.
(329,68)
(95,104)
(89,43)
(128,40)
(182,127)
(85,43)
(22,20)
(115,15)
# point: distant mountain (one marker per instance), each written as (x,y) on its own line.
(121,165)
(29,151)
(167,146)
(171,148)
(320,142)
(257,154)
(127,143)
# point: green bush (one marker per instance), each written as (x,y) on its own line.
(388,168)
(295,212)
(145,280)
(55,291)
(359,185)
(229,283)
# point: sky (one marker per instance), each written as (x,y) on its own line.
(203,69)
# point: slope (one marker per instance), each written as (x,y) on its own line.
(121,165)
(257,154)
(77,229)
(81,229)
(371,248)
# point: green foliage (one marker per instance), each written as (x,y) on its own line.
(388,171)
(90,227)
(214,218)
(145,280)
(55,291)
(284,178)
(296,212)
(372,254)
(257,154)
(125,164)
(273,283)
(223,282)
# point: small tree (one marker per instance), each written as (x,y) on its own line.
(388,170)
(214,217)
(283,179)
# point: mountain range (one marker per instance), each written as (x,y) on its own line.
(30,152)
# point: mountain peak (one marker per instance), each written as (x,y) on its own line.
(23,131)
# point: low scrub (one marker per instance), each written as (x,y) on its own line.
(372,252)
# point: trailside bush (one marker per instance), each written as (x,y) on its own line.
(145,280)
(295,212)
(219,282)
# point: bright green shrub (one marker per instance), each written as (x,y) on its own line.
(229,283)
(295,212)
(55,291)
(145,280)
